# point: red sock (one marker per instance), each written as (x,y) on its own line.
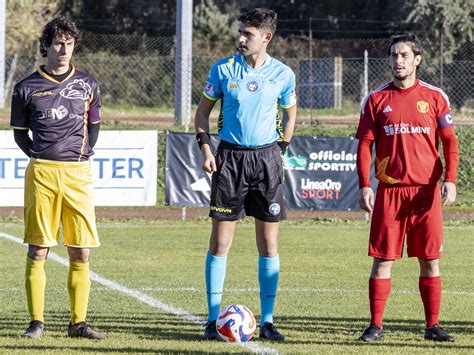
(430,291)
(379,290)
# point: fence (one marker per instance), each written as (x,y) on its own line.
(137,73)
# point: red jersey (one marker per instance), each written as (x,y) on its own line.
(404,125)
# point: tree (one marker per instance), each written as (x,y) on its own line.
(444,23)
(25,19)
(215,32)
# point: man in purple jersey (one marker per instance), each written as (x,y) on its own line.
(61,107)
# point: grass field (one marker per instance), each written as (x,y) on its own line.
(148,291)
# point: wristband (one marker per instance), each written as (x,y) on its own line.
(283,146)
(203,138)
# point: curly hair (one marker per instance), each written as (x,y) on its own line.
(261,18)
(58,27)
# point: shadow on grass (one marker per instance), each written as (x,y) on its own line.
(333,326)
(145,325)
(161,326)
(356,325)
(92,349)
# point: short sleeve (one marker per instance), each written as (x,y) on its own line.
(94,108)
(287,97)
(19,117)
(213,90)
(96,99)
(367,128)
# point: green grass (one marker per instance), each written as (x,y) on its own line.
(322,305)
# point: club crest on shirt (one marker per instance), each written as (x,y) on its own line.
(422,106)
(252,86)
(77,90)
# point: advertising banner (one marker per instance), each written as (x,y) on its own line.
(320,173)
(186,183)
(124,168)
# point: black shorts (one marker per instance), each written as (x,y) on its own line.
(248,182)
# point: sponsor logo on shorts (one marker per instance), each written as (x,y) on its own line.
(221,209)
(77,90)
(423,106)
(441,248)
(252,86)
(274,209)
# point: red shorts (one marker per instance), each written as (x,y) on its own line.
(414,211)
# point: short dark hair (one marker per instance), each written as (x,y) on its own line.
(58,27)
(260,17)
(407,38)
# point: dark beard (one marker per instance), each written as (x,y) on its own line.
(399,77)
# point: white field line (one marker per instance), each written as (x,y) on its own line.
(255,347)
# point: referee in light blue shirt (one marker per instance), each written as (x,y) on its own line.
(247,172)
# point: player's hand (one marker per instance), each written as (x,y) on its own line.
(366,199)
(209,161)
(448,193)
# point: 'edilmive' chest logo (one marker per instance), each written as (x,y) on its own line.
(423,106)
(77,90)
(252,86)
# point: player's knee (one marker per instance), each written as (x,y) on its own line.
(37,253)
(79,255)
(381,268)
(429,268)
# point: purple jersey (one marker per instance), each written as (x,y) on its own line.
(57,114)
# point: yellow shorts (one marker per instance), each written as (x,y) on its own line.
(59,193)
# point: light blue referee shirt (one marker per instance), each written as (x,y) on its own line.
(250,98)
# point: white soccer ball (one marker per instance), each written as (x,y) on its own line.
(236,324)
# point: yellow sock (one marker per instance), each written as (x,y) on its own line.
(35,284)
(78,286)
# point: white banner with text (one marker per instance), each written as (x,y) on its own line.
(124,167)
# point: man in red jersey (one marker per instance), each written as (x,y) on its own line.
(405,119)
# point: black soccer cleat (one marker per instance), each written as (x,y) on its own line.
(269,332)
(84,330)
(436,333)
(372,333)
(210,331)
(35,330)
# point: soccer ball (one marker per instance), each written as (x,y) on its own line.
(236,324)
